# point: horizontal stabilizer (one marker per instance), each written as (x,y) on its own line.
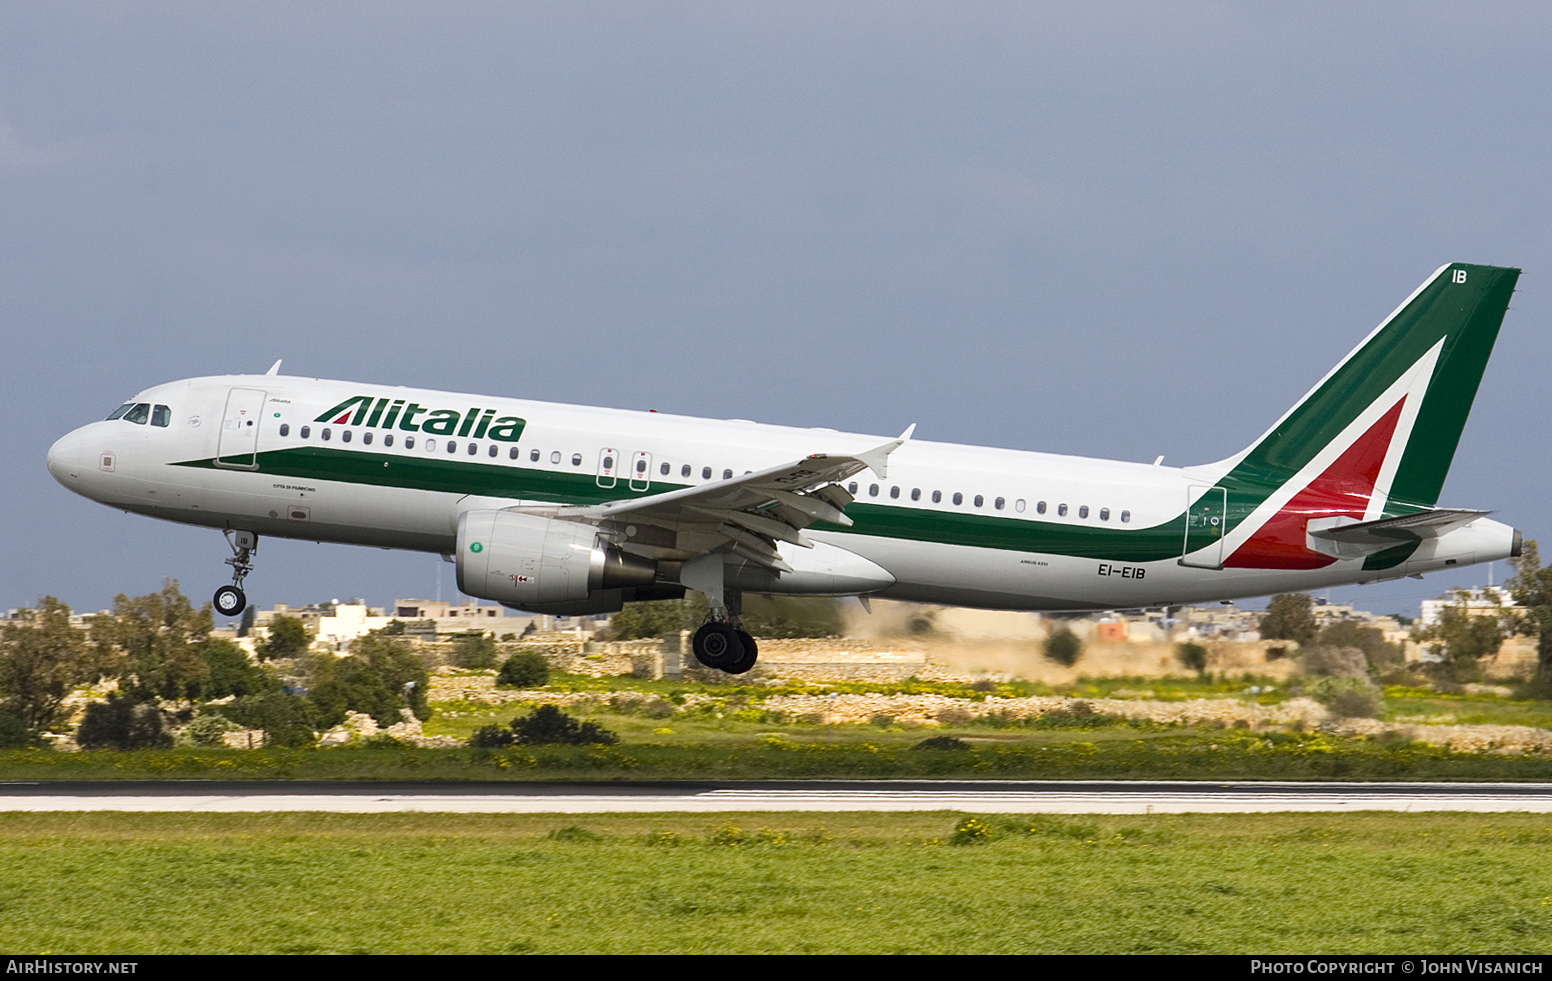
(1346,538)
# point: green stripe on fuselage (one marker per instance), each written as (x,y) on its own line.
(451,476)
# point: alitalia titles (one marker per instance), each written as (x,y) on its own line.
(412,417)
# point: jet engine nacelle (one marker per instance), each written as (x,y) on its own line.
(536,563)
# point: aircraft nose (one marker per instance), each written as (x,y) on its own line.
(65,458)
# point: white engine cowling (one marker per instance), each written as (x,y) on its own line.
(528,561)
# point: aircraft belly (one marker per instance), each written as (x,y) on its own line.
(325,511)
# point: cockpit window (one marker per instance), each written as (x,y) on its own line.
(139,413)
(161,415)
(119,412)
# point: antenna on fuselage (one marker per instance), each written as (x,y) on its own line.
(274,369)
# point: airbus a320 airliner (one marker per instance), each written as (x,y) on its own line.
(573,510)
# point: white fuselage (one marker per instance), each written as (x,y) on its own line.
(950,524)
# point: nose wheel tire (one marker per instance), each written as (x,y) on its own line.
(716,645)
(230,601)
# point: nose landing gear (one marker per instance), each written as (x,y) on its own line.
(230,600)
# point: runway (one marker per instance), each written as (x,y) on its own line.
(1004,797)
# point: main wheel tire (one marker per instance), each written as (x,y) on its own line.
(230,601)
(751,654)
(716,645)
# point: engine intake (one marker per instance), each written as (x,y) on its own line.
(528,561)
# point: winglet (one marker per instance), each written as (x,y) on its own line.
(877,459)
(274,369)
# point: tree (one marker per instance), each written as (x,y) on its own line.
(1460,640)
(150,640)
(1379,654)
(42,659)
(231,672)
(1290,616)
(1063,647)
(379,676)
(288,637)
(1531,587)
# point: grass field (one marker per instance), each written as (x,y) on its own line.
(801,883)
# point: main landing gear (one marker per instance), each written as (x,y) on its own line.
(230,600)
(721,645)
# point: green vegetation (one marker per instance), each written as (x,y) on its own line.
(1289,616)
(525,669)
(287,638)
(796,883)
(1063,647)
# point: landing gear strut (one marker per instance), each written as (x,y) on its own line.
(230,600)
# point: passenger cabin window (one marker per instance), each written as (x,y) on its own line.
(430,446)
(366,438)
(306,432)
(325,434)
(345,436)
(1126,517)
(1061,509)
(705,473)
(452,446)
(915,493)
(684,471)
(576,459)
(1040,508)
(533,456)
(641,466)
(474,449)
(512,454)
(409,442)
(555,456)
(894,492)
(727,475)
(663,469)
(979,500)
(388,440)
(998,503)
(161,415)
(1018,505)
(872,490)
(851,488)
(1083,511)
(937,497)
(1104,514)
(494,450)
(285,430)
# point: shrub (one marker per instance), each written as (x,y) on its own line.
(1336,662)
(473,651)
(14,733)
(548,724)
(1192,657)
(1064,648)
(1348,698)
(525,669)
(490,737)
(208,730)
(122,723)
(942,742)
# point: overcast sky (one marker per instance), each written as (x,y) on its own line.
(1112,230)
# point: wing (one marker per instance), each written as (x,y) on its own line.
(747,514)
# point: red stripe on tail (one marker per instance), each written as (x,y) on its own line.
(1343,490)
